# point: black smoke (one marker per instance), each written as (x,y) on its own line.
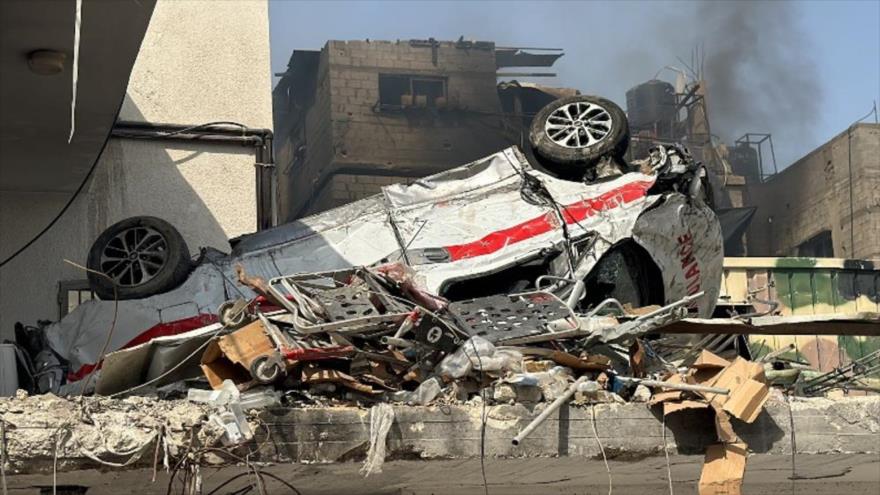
(761,74)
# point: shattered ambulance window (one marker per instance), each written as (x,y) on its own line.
(72,293)
(398,91)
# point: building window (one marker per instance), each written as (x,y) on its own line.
(402,91)
(72,293)
(818,246)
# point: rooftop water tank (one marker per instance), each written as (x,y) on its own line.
(650,104)
(744,161)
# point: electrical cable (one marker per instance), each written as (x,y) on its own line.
(794,475)
(222,328)
(154,380)
(85,180)
(601,448)
(67,205)
(159,439)
(109,332)
(180,462)
(173,369)
(163,135)
(245,473)
(3,456)
(666,453)
(282,481)
(482,420)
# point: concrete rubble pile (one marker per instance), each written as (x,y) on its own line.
(369,336)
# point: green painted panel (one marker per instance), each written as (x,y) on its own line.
(806,286)
(783,291)
(823,292)
(801,286)
(856,347)
(796,262)
(866,291)
(845,291)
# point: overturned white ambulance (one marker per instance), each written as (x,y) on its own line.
(642,233)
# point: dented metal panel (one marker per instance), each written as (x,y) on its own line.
(464,223)
(691,233)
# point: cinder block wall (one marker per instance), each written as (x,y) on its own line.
(348,134)
(813,195)
(296,183)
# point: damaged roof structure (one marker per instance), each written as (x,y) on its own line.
(542,318)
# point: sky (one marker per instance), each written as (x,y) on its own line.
(801,70)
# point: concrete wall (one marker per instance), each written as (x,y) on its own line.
(833,444)
(813,195)
(297,180)
(199,62)
(365,141)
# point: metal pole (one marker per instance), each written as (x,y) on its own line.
(576,293)
(675,386)
(852,218)
(676,304)
(556,404)
(761,162)
(396,342)
(773,155)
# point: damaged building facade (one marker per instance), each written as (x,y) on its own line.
(358,115)
(827,204)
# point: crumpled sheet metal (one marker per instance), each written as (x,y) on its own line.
(459,223)
(127,368)
(494,171)
(475,214)
(79,337)
(684,241)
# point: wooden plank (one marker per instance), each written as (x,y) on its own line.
(867,324)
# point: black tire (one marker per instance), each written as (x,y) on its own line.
(264,371)
(575,157)
(143,255)
(229,317)
(626,273)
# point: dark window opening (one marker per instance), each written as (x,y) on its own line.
(402,91)
(818,246)
(72,293)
